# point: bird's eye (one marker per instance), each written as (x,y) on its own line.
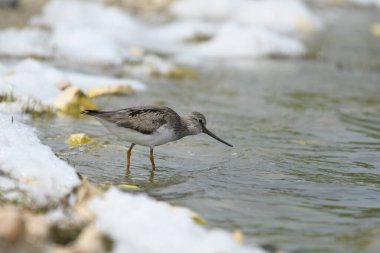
(200,121)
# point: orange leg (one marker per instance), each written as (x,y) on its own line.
(152,159)
(129,153)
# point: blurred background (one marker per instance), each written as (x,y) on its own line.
(294,85)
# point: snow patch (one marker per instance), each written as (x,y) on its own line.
(241,41)
(24,42)
(276,15)
(86,31)
(31,165)
(94,33)
(138,223)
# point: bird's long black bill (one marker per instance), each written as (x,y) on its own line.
(206,131)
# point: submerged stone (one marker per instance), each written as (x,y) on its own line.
(78,139)
(72,101)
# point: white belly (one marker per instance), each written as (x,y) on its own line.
(159,137)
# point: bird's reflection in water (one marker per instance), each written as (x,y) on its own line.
(128,179)
(151,177)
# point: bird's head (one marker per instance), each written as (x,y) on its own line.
(196,124)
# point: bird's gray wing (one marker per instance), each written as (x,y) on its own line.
(144,119)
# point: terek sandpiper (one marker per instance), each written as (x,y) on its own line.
(151,126)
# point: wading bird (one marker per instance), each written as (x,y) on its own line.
(151,126)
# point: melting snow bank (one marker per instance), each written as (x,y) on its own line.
(34,79)
(138,223)
(91,32)
(30,80)
(134,223)
(28,166)
(287,16)
(24,42)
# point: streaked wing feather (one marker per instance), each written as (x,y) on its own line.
(144,119)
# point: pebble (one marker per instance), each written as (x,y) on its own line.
(12,225)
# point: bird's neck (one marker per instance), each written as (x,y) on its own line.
(187,127)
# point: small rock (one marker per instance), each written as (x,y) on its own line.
(305,25)
(137,52)
(238,235)
(145,8)
(72,101)
(83,194)
(199,38)
(109,90)
(12,225)
(63,85)
(61,250)
(90,240)
(65,232)
(198,219)
(37,227)
(180,73)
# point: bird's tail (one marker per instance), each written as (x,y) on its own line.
(89,112)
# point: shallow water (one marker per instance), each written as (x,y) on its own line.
(305,170)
